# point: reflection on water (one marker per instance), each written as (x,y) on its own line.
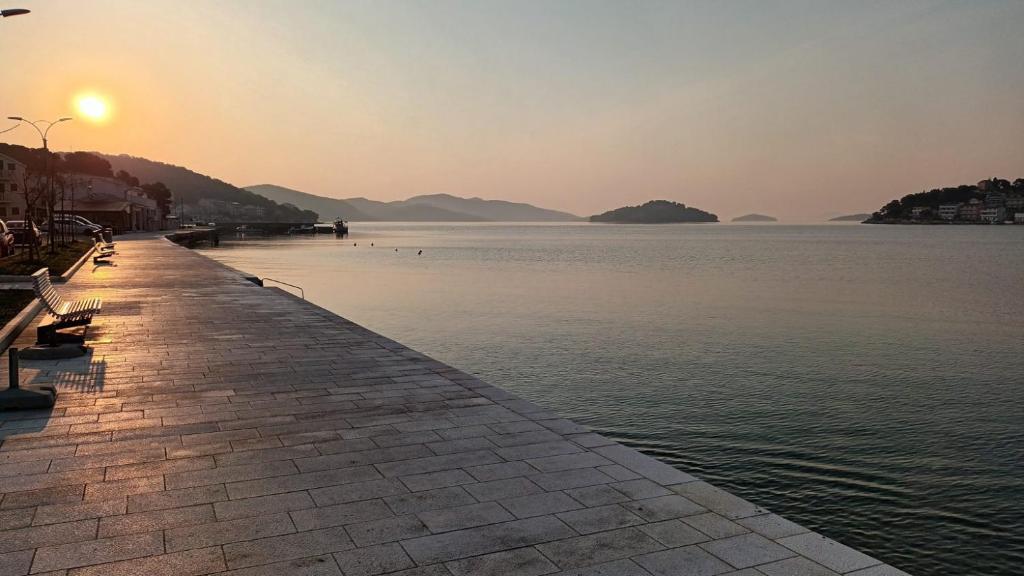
(867,381)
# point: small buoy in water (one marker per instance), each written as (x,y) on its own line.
(420,252)
(371,244)
(355,244)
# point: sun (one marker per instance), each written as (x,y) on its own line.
(92,107)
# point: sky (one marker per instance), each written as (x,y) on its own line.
(797,109)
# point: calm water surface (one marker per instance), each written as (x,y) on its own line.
(866,381)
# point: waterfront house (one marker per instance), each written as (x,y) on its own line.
(995,200)
(971,211)
(1014,203)
(993,215)
(111,202)
(918,212)
(949,211)
(1018,218)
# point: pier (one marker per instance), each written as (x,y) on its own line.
(216,426)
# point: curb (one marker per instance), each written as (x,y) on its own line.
(14,328)
(74,267)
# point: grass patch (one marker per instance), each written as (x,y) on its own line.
(12,302)
(58,263)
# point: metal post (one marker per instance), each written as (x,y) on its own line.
(12,368)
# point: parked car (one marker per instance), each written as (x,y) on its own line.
(80,225)
(23,233)
(6,240)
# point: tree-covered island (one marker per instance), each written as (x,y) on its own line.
(655,212)
(993,201)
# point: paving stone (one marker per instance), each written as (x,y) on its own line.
(685,561)
(162,467)
(717,500)
(599,495)
(714,525)
(442,479)
(461,445)
(428,500)
(349,459)
(97,551)
(48,535)
(16,518)
(540,504)
(567,479)
(519,562)
(674,533)
(640,489)
(437,463)
(249,507)
(226,474)
(315,566)
(528,451)
(55,513)
(373,560)
(215,533)
(619,472)
(771,526)
(155,520)
(188,563)
(358,491)
(340,514)
(507,488)
(448,519)
(827,552)
(296,482)
(287,547)
(747,550)
(598,519)
(663,508)
(499,471)
(44,496)
(616,568)
(386,530)
(644,465)
(485,539)
(598,548)
(176,498)
(15,563)
(128,486)
(795,567)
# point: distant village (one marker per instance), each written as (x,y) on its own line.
(993,201)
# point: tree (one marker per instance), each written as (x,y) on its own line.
(162,194)
(126,178)
(86,163)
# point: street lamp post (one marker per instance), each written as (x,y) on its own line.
(49,165)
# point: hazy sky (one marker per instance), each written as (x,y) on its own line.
(795,109)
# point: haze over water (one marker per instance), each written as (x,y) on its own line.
(866,381)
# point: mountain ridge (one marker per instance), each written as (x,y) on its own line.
(423,208)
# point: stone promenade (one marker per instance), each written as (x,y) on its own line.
(220,427)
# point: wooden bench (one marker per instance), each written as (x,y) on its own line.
(61,314)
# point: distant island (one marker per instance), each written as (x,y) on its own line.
(755,218)
(655,212)
(850,218)
(993,201)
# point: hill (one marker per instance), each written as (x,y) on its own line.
(655,212)
(850,218)
(428,208)
(327,208)
(988,201)
(207,197)
(755,218)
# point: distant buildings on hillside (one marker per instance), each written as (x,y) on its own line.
(992,201)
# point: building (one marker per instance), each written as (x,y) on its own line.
(918,212)
(993,215)
(113,203)
(1015,203)
(971,212)
(1018,218)
(12,196)
(949,211)
(995,200)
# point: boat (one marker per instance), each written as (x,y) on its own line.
(301,229)
(340,227)
(322,228)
